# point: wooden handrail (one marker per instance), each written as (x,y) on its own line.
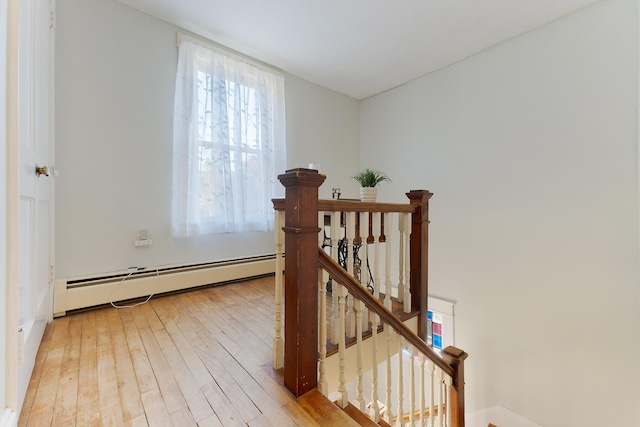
(356,289)
(419,236)
(331,205)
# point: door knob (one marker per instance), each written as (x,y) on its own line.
(44,170)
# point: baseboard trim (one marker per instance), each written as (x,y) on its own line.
(69,295)
(9,418)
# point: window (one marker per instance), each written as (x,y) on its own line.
(228,143)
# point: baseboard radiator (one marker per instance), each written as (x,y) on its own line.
(78,293)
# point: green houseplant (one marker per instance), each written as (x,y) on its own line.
(369,179)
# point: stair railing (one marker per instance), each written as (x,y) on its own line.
(444,391)
(375,228)
(300,223)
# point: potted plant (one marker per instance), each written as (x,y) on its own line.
(369,180)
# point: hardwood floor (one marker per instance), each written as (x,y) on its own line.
(197,358)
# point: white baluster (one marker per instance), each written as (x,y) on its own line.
(400,418)
(278,341)
(447,388)
(351,317)
(323,276)
(350,231)
(432,415)
(423,389)
(343,398)
(320,242)
(350,329)
(412,386)
(322,333)
(364,256)
(335,298)
(360,355)
(334,320)
(388,233)
(374,411)
(401,239)
(388,381)
(407,263)
(441,391)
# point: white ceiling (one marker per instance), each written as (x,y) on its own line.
(359,47)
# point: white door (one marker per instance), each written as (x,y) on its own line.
(35,221)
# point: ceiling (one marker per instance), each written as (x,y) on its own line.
(359,47)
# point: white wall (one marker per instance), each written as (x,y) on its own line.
(323,127)
(3,246)
(3,201)
(531,150)
(115,82)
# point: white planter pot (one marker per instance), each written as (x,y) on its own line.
(368,194)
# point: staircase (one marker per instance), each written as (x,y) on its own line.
(428,387)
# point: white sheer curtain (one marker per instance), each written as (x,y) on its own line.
(228,143)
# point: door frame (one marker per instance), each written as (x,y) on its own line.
(12,260)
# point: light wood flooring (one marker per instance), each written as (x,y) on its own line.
(196,358)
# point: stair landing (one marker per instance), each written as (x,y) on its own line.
(327,413)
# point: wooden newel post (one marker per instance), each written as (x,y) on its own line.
(455,358)
(419,262)
(301,279)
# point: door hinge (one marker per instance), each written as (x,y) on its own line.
(52,274)
(52,19)
(20,345)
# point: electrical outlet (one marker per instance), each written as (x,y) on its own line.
(143,238)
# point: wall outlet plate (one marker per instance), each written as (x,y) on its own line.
(143,242)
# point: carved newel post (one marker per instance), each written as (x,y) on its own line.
(301,279)
(455,358)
